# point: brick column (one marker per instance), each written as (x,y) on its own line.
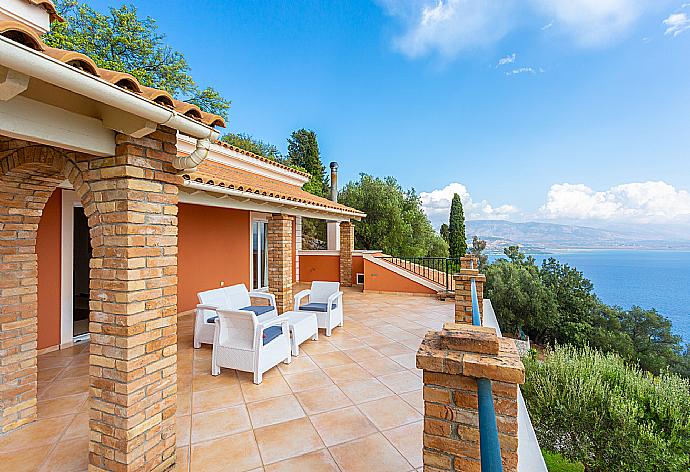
(463,294)
(469,262)
(131,202)
(280,247)
(347,245)
(453,360)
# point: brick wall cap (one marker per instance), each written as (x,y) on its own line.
(469,338)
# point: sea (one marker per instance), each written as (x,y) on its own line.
(649,279)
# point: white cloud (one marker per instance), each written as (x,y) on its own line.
(449,27)
(593,22)
(436,204)
(507,60)
(677,23)
(638,202)
(521,70)
(547,26)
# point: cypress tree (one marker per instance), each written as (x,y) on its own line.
(444,231)
(456,228)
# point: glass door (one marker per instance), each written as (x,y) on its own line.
(259,254)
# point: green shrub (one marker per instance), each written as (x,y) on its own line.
(595,409)
(557,463)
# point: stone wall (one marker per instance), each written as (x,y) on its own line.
(347,246)
(280,248)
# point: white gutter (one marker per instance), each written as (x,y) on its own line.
(255,196)
(35,64)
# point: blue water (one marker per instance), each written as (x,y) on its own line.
(649,279)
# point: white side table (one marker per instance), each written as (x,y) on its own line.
(303,325)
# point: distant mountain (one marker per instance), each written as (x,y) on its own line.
(545,237)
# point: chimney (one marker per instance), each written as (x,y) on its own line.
(334,181)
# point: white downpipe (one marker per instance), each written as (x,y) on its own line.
(34,64)
(203,147)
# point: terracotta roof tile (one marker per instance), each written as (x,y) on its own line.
(50,7)
(213,173)
(262,158)
(20,33)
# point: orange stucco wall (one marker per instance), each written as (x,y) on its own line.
(380,279)
(321,267)
(213,245)
(357,267)
(48,249)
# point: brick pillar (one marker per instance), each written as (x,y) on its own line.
(469,262)
(453,360)
(463,294)
(347,245)
(280,247)
(131,202)
(28,175)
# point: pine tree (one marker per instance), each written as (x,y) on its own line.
(444,231)
(456,228)
(303,151)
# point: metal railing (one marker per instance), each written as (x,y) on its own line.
(439,270)
(489,444)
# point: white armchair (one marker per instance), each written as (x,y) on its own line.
(325,301)
(234,297)
(242,342)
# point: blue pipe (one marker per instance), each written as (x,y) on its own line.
(490,447)
(476,319)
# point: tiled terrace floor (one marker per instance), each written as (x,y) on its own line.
(351,402)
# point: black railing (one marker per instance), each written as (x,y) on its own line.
(439,270)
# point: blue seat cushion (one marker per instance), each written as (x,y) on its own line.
(257,310)
(271,333)
(322,307)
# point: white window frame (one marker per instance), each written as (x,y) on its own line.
(256,218)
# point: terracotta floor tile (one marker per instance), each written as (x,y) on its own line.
(61,406)
(217,398)
(75,371)
(330,359)
(63,387)
(79,428)
(274,386)
(393,349)
(29,460)
(207,381)
(274,410)
(47,375)
(182,454)
(239,450)
(360,391)
(407,440)
(38,433)
(373,453)
(381,366)
(347,372)
(409,361)
(285,440)
(68,456)
(47,362)
(319,461)
(322,399)
(184,430)
(362,354)
(184,403)
(317,347)
(301,363)
(347,343)
(308,380)
(402,382)
(414,399)
(342,425)
(217,423)
(390,412)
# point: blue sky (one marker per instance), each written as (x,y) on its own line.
(593,127)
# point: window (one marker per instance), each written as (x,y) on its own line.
(360,279)
(259,254)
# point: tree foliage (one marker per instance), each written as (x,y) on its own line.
(477,249)
(395,223)
(555,304)
(444,231)
(252,144)
(599,410)
(122,41)
(456,228)
(303,151)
